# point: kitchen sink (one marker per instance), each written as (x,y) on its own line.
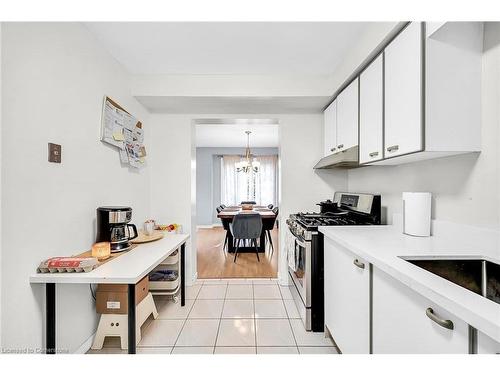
(477,275)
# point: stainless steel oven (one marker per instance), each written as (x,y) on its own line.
(300,274)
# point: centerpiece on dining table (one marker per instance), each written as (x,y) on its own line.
(247,207)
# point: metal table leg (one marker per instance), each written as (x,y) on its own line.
(131,319)
(50,318)
(183,274)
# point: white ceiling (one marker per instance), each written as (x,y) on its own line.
(227,47)
(233,135)
(234,105)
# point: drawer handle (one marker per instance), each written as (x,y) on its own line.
(445,323)
(393,148)
(340,146)
(357,263)
(373,154)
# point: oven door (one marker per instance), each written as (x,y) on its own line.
(301,276)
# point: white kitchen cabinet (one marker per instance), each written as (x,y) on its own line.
(371,112)
(431,94)
(450,97)
(330,128)
(486,345)
(403,93)
(347,298)
(400,324)
(347,117)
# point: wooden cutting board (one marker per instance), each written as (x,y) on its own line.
(143,237)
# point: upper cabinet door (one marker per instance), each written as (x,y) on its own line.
(347,117)
(403,92)
(330,127)
(371,112)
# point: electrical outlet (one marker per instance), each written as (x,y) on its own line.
(55,153)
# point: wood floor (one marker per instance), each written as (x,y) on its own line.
(213,263)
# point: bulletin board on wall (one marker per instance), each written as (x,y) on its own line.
(121,129)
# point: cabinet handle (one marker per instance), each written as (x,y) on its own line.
(445,323)
(357,263)
(373,154)
(340,146)
(393,148)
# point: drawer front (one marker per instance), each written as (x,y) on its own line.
(402,323)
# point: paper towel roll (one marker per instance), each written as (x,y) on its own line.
(417,214)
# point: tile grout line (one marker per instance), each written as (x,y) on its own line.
(220,319)
(289,323)
(254,318)
(185,320)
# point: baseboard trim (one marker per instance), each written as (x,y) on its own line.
(194,279)
(209,226)
(85,347)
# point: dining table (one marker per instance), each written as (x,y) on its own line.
(227,215)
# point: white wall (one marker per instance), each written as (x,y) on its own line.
(54,78)
(173,167)
(171,155)
(301,146)
(361,52)
(465,188)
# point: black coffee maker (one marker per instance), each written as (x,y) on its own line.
(113,226)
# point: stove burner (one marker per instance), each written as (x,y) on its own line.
(312,220)
(321,215)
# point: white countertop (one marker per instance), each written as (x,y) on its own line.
(383,246)
(128,268)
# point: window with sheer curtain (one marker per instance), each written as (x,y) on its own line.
(261,187)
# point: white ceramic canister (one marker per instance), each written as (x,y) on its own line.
(417,213)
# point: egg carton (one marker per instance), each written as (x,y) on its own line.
(67,264)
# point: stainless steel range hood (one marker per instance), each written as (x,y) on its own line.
(347,158)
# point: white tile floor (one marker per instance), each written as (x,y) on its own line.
(229,316)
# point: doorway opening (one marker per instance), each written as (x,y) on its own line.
(237,173)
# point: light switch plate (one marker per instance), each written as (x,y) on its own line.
(55,153)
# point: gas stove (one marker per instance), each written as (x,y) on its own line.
(304,249)
(346,209)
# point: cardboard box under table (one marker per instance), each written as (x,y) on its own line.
(113,298)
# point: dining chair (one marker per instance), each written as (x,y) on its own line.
(248,202)
(269,226)
(225,225)
(270,206)
(276,212)
(246,226)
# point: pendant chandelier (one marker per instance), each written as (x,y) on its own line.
(248,162)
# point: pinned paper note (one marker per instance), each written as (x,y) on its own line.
(118,136)
(122,130)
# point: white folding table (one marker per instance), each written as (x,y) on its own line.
(128,268)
